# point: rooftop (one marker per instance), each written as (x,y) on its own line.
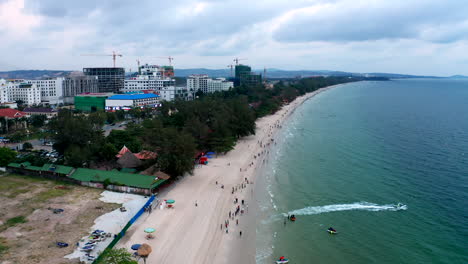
(11,113)
(132,96)
(96,94)
(128,179)
(39,110)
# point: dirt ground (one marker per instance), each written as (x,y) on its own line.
(29,229)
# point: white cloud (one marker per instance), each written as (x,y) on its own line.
(352,35)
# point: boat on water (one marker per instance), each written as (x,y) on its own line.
(332,231)
(282,260)
(400,206)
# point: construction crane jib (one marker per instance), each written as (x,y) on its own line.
(114,55)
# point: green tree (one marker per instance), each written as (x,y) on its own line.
(108,151)
(6,156)
(111,117)
(117,256)
(177,152)
(37,120)
(119,138)
(76,156)
(27,146)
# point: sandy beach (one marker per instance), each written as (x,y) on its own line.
(195,230)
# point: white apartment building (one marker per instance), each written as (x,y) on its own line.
(51,89)
(218,84)
(11,91)
(151,77)
(201,82)
(146,82)
(170,93)
(63,89)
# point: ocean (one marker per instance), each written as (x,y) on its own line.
(346,157)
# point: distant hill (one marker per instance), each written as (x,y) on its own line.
(32,74)
(458,77)
(271,74)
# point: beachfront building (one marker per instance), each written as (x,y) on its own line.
(18,90)
(127,101)
(201,82)
(120,181)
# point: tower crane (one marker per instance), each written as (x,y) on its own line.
(231,66)
(114,55)
(169,58)
(236,60)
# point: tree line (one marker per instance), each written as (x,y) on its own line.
(178,130)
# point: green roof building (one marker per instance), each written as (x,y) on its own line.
(91,102)
(116,178)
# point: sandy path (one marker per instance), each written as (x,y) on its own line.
(192,234)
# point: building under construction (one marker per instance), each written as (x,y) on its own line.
(245,76)
(109,79)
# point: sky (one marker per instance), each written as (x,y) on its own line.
(425,37)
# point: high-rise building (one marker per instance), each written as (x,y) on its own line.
(245,76)
(109,79)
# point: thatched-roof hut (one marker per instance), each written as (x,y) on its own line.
(128,160)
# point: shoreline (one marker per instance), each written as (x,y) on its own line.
(194,231)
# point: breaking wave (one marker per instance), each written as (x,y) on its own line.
(365,206)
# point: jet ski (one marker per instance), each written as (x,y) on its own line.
(332,231)
(282,260)
(400,206)
(292,218)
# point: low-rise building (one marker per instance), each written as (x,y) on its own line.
(11,113)
(90,102)
(49,112)
(126,101)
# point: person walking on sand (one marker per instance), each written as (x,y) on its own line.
(240,233)
(196,204)
(237,221)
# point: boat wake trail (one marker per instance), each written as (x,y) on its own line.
(365,206)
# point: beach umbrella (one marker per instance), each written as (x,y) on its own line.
(170,201)
(136,246)
(149,230)
(144,251)
(211,153)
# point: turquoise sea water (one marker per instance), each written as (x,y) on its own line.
(345,157)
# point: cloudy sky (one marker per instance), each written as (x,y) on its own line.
(400,36)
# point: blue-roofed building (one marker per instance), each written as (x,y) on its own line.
(128,101)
